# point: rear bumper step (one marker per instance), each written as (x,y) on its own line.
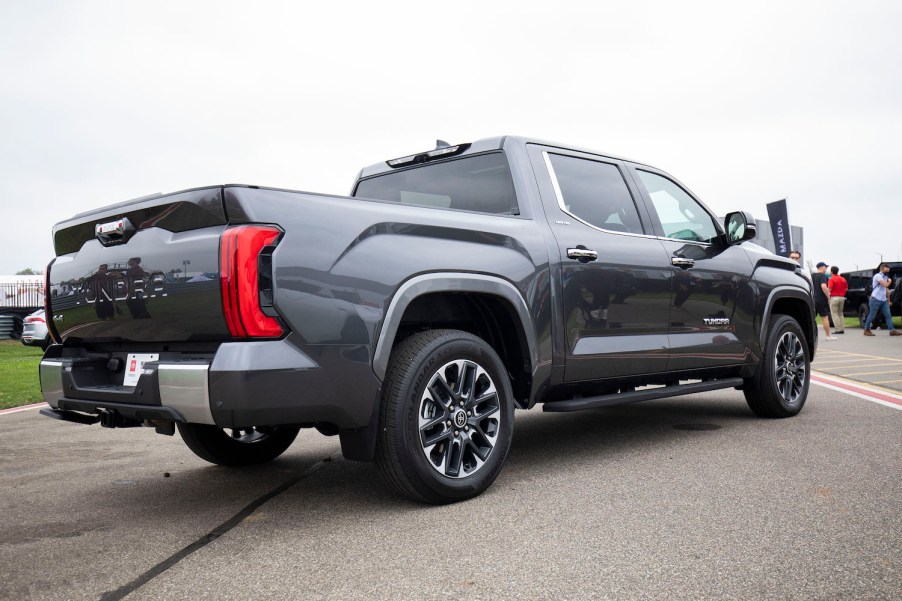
(70,416)
(181,387)
(110,415)
(619,398)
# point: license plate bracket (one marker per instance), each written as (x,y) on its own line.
(134,367)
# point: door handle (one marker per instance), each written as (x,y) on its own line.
(582,254)
(682,262)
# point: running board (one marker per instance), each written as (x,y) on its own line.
(619,398)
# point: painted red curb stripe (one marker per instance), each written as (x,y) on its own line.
(22,408)
(858,389)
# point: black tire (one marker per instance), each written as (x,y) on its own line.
(245,446)
(447,417)
(780,386)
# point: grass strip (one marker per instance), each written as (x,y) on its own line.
(852,322)
(19,381)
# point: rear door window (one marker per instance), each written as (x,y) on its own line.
(594,192)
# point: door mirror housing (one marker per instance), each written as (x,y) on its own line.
(740,226)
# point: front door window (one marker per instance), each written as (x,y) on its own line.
(681,216)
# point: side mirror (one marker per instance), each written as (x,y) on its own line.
(740,226)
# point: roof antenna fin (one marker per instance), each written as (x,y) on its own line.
(441,144)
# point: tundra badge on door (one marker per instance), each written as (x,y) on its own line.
(716,321)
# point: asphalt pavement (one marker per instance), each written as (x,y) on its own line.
(685,498)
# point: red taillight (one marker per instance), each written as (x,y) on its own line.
(239,252)
(34,319)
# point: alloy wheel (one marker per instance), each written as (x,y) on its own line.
(791,369)
(459,419)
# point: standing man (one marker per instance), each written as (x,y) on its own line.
(99,290)
(796,256)
(838,287)
(879,285)
(137,282)
(822,297)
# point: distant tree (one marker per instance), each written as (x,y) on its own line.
(30,271)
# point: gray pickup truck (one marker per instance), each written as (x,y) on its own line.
(411,318)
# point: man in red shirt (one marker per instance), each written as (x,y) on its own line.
(838,287)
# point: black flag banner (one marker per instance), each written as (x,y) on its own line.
(779,226)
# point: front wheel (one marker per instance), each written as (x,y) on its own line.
(446,419)
(242,446)
(780,386)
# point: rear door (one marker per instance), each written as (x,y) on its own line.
(615,280)
(712,307)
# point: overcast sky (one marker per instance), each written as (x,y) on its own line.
(105,101)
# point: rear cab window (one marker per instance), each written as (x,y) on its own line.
(480,183)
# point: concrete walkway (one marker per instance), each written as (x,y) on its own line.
(874,360)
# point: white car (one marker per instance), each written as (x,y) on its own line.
(34,330)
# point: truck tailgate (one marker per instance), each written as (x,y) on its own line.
(145,271)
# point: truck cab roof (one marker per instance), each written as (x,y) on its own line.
(480,146)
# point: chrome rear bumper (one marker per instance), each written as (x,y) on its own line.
(183,389)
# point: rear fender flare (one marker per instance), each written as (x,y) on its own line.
(448,282)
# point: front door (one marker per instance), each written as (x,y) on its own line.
(711,312)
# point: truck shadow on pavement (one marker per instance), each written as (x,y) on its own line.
(321,479)
(555,437)
(311,489)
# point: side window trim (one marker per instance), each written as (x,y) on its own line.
(559,196)
(653,214)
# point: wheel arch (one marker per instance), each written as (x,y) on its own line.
(796,303)
(486,306)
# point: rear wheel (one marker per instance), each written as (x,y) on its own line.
(239,446)
(446,419)
(780,386)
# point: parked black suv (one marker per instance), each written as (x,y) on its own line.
(412,318)
(858,295)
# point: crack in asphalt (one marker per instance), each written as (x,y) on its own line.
(223,528)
